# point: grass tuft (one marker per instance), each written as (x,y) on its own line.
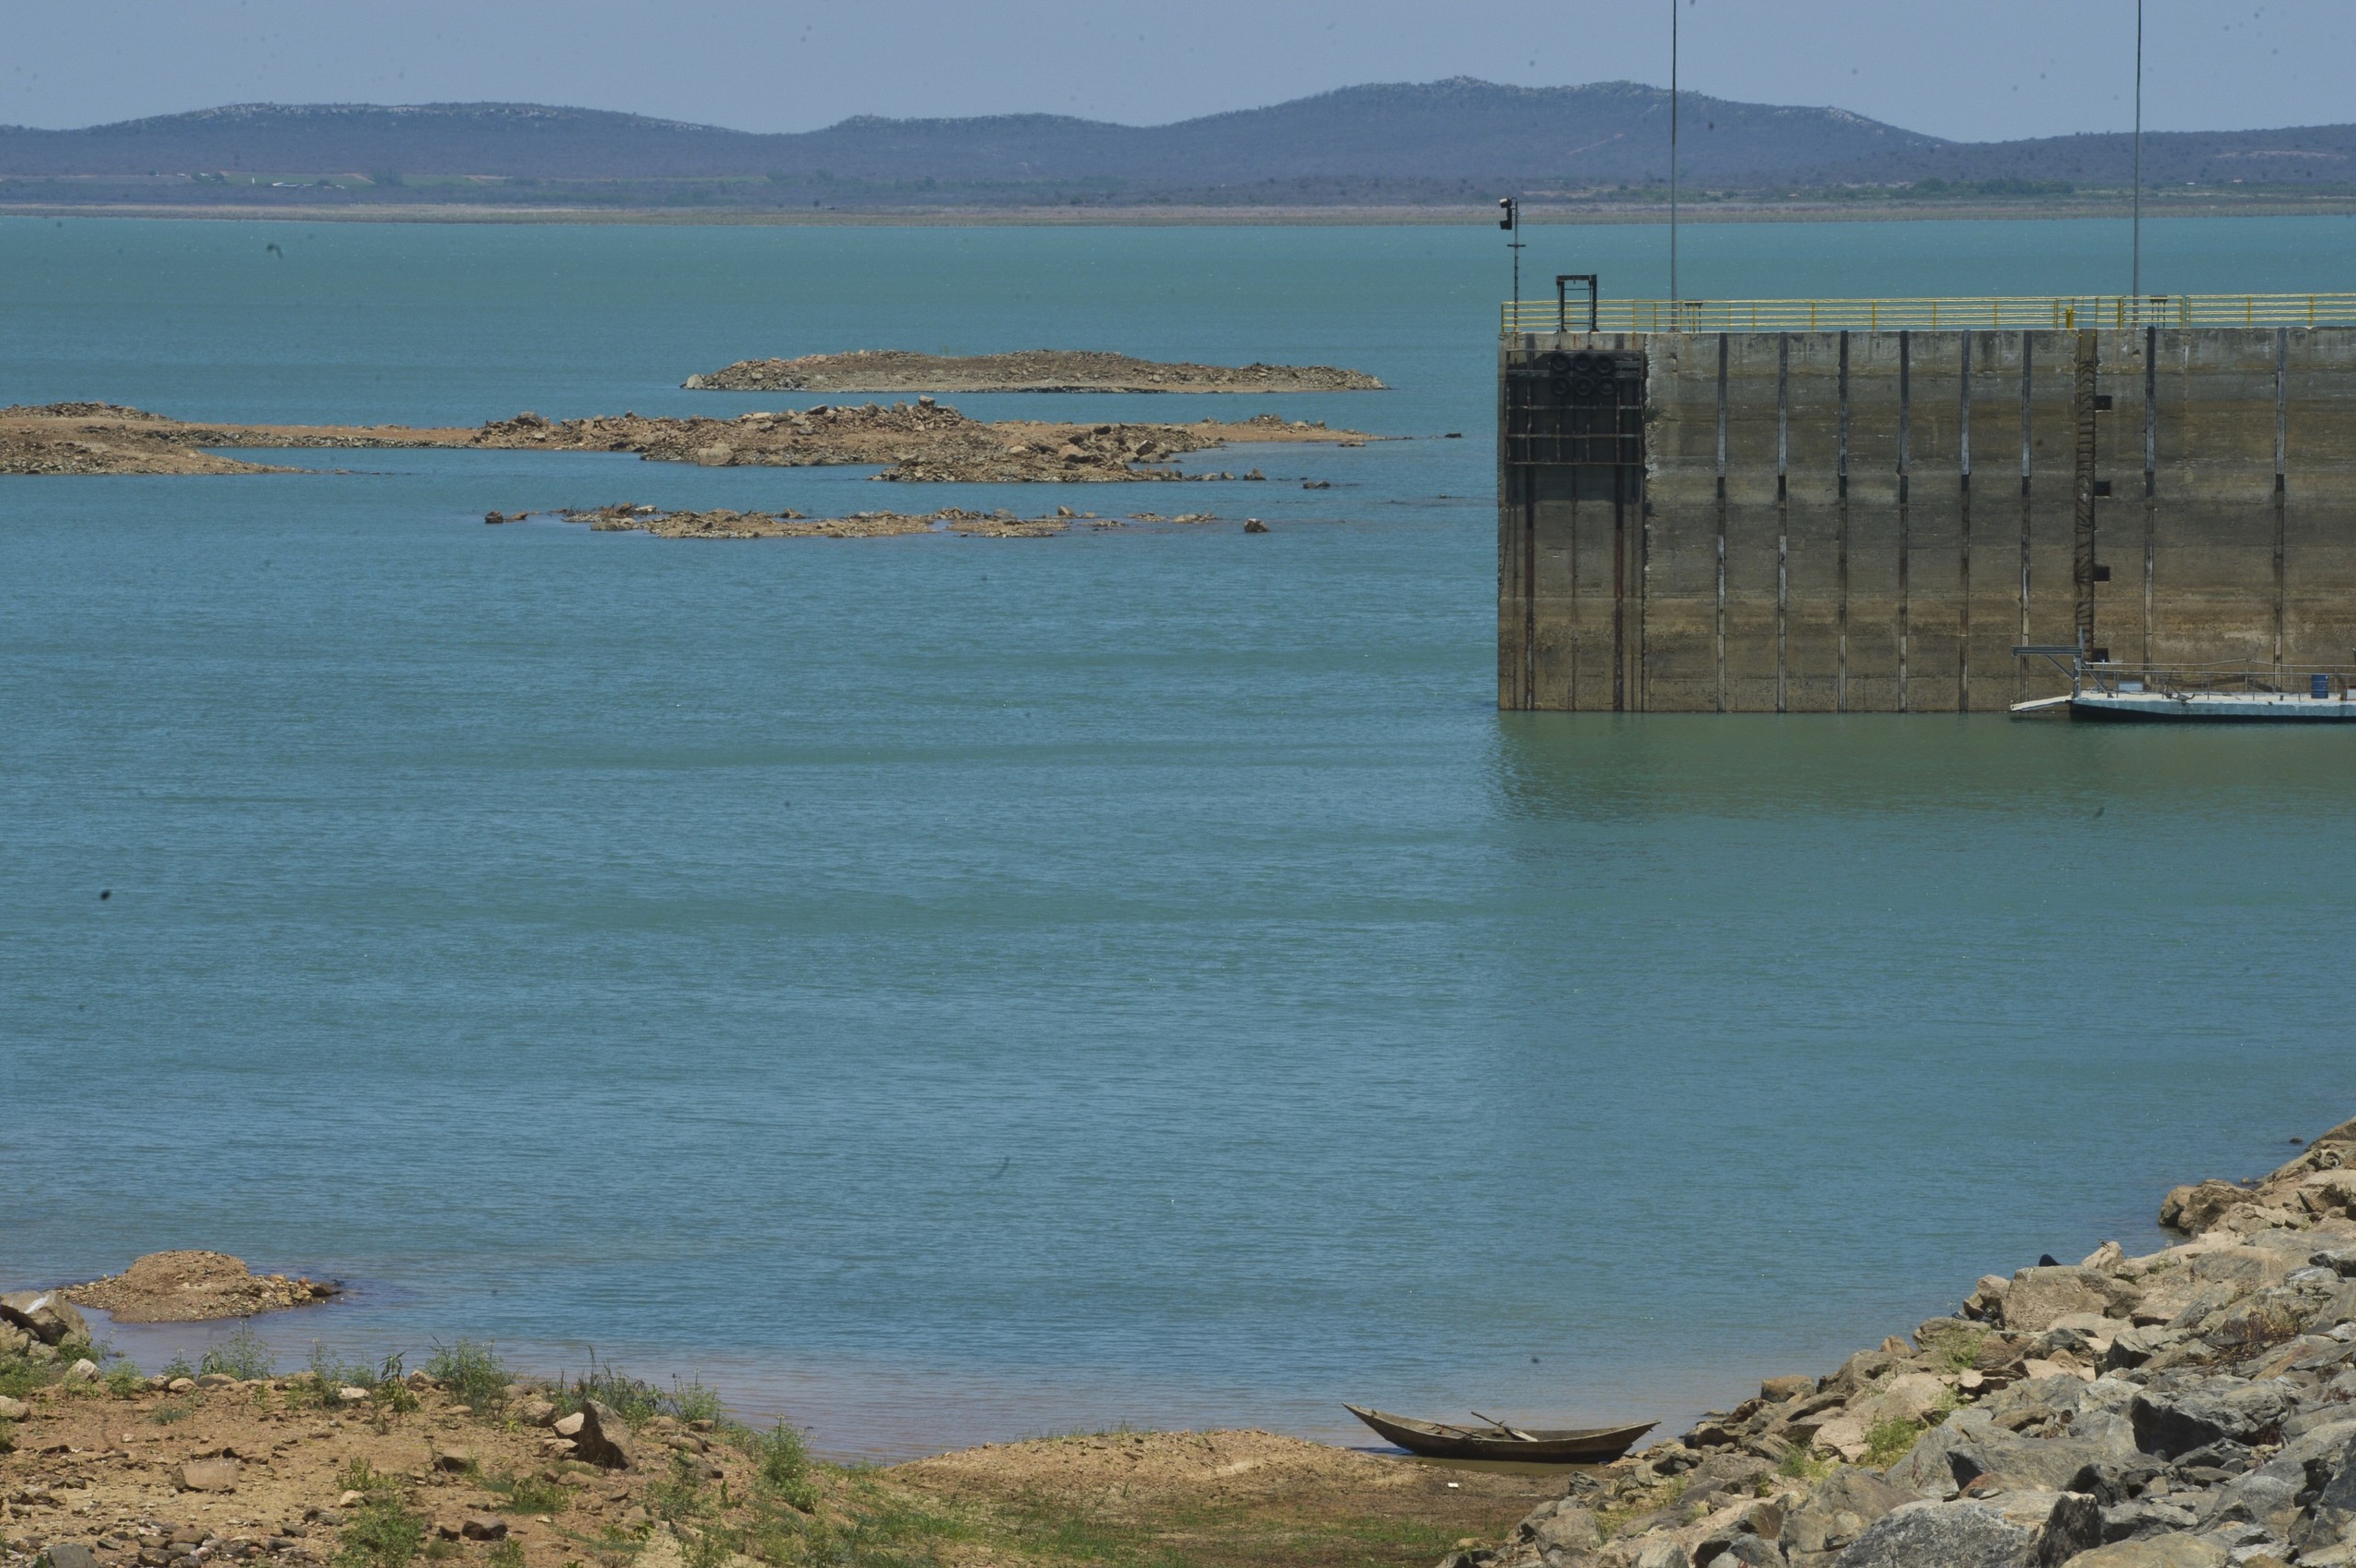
(473,1373)
(242,1356)
(385,1534)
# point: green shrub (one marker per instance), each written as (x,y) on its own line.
(125,1380)
(635,1400)
(361,1476)
(385,1534)
(508,1553)
(1887,1441)
(526,1494)
(783,1461)
(242,1356)
(471,1370)
(176,1368)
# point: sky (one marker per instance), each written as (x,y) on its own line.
(1986,70)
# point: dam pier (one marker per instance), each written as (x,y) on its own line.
(1866,505)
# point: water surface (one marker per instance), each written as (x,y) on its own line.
(950,989)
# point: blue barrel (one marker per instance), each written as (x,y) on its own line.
(2319,687)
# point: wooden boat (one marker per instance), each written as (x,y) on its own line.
(1542,1445)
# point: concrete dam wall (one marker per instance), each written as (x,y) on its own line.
(1871,521)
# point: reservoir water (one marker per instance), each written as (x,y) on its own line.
(945,989)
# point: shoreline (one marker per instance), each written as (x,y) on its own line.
(1169,217)
(2192,1407)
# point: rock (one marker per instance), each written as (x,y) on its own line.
(2198,1207)
(455,1461)
(569,1425)
(1567,1529)
(483,1527)
(1756,1551)
(603,1438)
(1838,1511)
(1857,1371)
(1949,1535)
(83,1371)
(1986,1301)
(12,1409)
(493,517)
(2073,1524)
(70,1554)
(1911,1397)
(1844,1436)
(718,456)
(352,1396)
(181,1386)
(2114,1480)
(216,1380)
(2158,1552)
(2178,1424)
(535,1411)
(45,1315)
(2038,1296)
(2133,1521)
(209,1475)
(1781,1390)
(1253,525)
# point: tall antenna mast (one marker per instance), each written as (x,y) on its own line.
(2135,275)
(1672,150)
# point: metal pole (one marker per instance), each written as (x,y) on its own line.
(2135,272)
(1511,224)
(1672,151)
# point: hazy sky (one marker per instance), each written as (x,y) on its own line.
(1975,69)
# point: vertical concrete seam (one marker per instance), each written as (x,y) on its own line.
(1724,346)
(1782,511)
(1841,546)
(2081,554)
(1905,515)
(1963,533)
(2281,468)
(2151,482)
(2029,387)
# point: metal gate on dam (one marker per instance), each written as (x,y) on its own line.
(1866,506)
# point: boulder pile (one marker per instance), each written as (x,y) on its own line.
(2193,1408)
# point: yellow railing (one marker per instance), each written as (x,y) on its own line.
(2049,312)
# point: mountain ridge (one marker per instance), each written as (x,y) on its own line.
(1415,141)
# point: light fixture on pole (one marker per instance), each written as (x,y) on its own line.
(1511,224)
(2135,270)
(1672,152)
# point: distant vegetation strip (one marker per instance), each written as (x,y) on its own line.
(1457,142)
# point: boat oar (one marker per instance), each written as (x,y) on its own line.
(1508,1431)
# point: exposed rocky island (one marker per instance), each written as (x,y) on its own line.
(1034,370)
(726,523)
(193,1288)
(922,441)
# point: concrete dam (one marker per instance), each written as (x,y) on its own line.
(1864,506)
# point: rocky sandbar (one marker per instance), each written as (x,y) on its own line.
(923,440)
(1034,370)
(193,1288)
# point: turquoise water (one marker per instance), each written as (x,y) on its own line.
(950,989)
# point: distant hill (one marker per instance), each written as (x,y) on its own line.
(1403,142)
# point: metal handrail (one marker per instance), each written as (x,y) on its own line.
(2251,676)
(2033,311)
